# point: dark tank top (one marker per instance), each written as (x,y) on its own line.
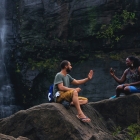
(132,77)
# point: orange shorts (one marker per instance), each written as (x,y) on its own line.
(67,95)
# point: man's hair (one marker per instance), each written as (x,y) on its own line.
(136,61)
(64,63)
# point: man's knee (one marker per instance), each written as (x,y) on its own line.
(75,93)
(86,101)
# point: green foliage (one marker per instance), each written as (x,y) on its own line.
(17,68)
(84,56)
(117,131)
(128,16)
(48,64)
(134,131)
(118,22)
(116,56)
(92,21)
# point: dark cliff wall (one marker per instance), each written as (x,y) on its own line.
(76,22)
(46,31)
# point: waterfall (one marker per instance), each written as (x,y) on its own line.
(7,100)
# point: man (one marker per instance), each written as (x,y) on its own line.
(62,90)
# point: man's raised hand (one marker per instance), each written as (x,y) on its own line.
(90,75)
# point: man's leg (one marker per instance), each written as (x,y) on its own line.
(73,95)
(82,101)
(75,101)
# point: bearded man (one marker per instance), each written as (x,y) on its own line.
(63,91)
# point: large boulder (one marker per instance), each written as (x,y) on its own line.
(124,110)
(52,121)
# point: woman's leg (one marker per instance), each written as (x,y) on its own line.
(127,90)
(119,90)
(131,89)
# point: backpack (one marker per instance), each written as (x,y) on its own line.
(50,94)
(66,104)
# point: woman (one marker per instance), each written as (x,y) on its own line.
(131,77)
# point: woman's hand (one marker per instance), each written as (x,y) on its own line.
(112,72)
(125,85)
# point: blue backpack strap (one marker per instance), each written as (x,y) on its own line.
(50,94)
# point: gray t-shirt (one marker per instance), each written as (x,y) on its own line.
(59,78)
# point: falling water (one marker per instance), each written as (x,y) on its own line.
(7,99)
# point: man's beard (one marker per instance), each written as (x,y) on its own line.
(68,70)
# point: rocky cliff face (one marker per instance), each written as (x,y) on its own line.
(51,121)
(43,29)
(72,20)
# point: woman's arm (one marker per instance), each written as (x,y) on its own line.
(121,80)
(132,84)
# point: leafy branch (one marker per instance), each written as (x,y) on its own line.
(110,32)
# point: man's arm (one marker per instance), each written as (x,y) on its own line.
(79,82)
(61,87)
(82,81)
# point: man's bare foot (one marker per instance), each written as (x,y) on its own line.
(83,119)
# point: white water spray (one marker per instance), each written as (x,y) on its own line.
(7,99)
